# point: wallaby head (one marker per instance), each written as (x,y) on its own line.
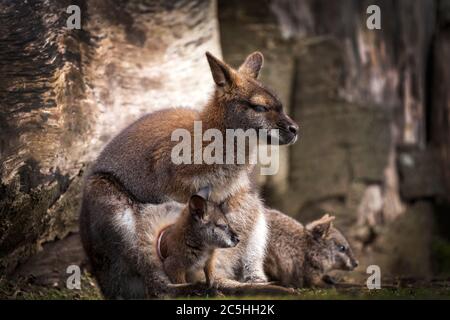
(210,224)
(246,103)
(329,249)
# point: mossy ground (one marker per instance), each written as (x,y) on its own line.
(25,289)
(441,254)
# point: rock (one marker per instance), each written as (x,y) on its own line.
(49,266)
(403,248)
(439,126)
(341,142)
(420,176)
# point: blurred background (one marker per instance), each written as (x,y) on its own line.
(373,108)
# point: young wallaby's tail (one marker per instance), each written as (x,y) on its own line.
(231,288)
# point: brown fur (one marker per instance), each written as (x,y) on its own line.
(135,168)
(190,243)
(120,278)
(299,256)
(140,156)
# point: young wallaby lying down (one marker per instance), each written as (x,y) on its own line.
(189,244)
(299,256)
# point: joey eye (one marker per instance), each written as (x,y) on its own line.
(342,248)
(223,206)
(259,108)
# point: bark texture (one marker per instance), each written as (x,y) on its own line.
(65,93)
(440,92)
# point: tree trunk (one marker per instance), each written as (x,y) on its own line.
(440,95)
(67,92)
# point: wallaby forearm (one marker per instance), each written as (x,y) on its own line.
(175,271)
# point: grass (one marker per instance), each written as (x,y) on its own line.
(382,294)
(26,289)
(441,254)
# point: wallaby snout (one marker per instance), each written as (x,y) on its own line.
(288,130)
(353,264)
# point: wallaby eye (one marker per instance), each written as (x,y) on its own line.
(221,226)
(255,107)
(259,108)
(342,248)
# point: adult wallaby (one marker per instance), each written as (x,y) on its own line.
(138,163)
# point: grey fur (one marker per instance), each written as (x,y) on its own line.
(299,256)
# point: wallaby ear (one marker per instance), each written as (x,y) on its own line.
(321,227)
(204,192)
(197,206)
(252,65)
(222,74)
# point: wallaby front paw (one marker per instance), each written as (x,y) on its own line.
(213,283)
(213,291)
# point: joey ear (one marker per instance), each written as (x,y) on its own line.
(222,74)
(204,192)
(321,227)
(252,64)
(197,206)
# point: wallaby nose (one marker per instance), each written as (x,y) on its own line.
(355,263)
(293,129)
